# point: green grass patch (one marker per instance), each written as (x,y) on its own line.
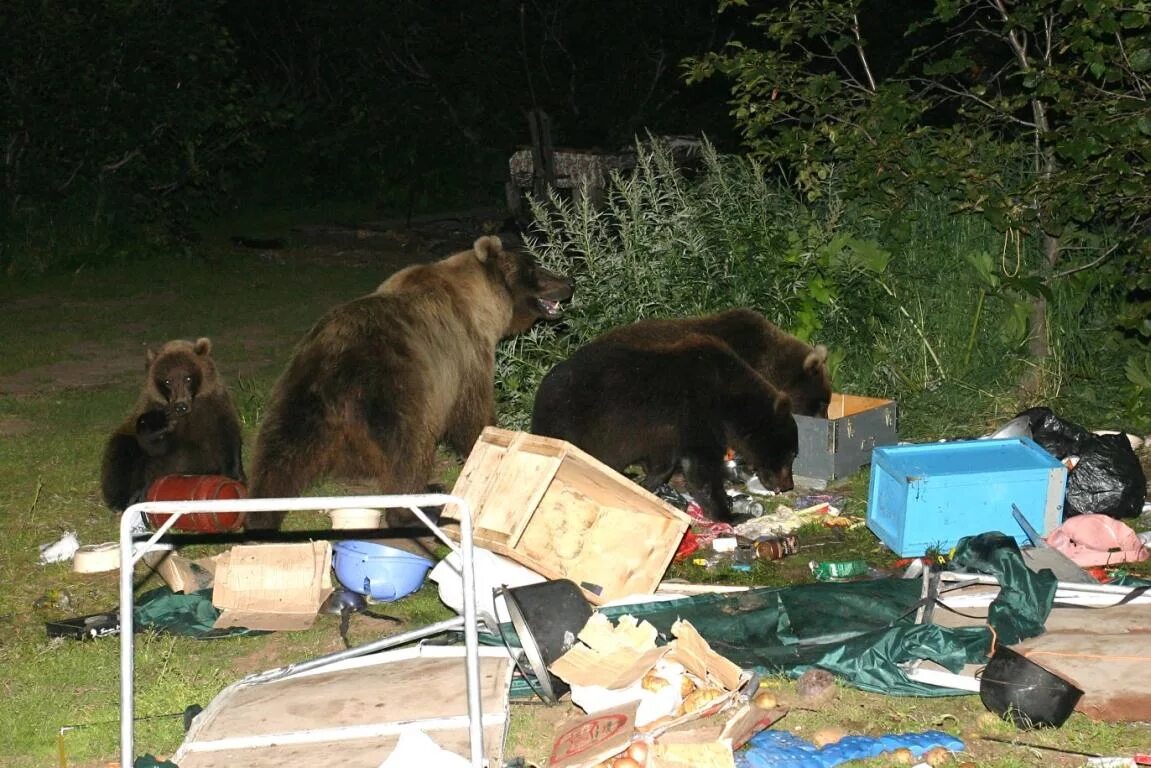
(74,343)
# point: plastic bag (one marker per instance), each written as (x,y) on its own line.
(1108,478)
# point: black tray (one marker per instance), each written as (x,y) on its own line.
(85,627)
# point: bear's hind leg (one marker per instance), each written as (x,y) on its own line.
(409,473)
(122,472)
(285,466)
(657,474)
(703,476)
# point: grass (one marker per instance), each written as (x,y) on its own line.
(255,308)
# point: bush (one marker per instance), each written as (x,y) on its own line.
(923,307)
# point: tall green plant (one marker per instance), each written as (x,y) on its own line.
(667,246)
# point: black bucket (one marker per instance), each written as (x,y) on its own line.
(547,616)
(1024,693)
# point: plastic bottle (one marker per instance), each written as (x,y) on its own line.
(839,570)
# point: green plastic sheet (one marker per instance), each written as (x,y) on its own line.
(861,631)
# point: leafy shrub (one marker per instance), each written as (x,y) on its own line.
(926,306)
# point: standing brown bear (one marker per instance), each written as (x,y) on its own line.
(795,367)
(670,406)
(184,423)
(378,382)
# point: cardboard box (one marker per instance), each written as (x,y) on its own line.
(609,664)
(351,713)
(612,661)
(272,586)
(931,495)
(838,446)
(561,512)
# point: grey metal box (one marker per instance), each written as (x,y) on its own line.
(838,446)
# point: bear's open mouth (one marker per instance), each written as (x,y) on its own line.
(551,309)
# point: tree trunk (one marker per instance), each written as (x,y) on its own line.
(1035,379)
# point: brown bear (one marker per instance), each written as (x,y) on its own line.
(795,367)
(184,422)
(673,405)
(379,381)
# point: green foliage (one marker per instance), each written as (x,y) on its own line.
(128,112)
(1029,114)
(664,246)
(934,312)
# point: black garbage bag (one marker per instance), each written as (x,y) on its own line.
(1108,478)
(1058,437)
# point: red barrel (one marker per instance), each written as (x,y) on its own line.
(197,488)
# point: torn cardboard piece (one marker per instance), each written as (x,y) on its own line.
(180,573)
(272,586)
(627,683)
(593,739)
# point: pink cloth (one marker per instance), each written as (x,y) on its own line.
(1097,540)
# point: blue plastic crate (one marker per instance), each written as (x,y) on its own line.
(927,496)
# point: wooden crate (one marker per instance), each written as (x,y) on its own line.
(563,513)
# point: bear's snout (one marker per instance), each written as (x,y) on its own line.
(181,407)
(778,480)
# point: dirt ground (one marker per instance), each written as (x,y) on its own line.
(385,245)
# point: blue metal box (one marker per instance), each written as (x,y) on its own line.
(926,496)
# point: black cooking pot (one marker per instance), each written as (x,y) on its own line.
(1024,693)
(547,617)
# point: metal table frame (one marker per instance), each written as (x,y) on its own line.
(468,622)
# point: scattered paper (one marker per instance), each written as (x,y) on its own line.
(60,551)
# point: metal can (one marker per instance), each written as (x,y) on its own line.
(776,547)
(742,504)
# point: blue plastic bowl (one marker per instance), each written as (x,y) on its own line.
(378,571)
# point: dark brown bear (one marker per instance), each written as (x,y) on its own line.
(669,406)
(378,382)
(797,368)
(184,423)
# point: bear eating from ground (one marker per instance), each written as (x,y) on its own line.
(668,406)
(795,367)
(378,382)
(184,423)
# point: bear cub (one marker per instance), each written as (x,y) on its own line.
(677,404)
(184,422)
(378,382)
(795,367)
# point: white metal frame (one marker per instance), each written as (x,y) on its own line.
(413,502)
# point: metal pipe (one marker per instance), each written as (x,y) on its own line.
(176,509)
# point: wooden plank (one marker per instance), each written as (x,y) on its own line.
(350,716)
(520,481)
(848,405)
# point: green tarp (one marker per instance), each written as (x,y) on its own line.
(861,631)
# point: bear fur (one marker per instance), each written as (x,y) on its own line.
(184,422)
(666,406)
(797,368)
(378,382)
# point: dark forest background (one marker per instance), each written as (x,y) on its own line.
(129,117)
(877,147)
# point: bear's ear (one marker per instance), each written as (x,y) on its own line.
(149,358)
(487,246)
(815,358)
(203,346)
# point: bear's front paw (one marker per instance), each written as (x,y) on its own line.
(152,429)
